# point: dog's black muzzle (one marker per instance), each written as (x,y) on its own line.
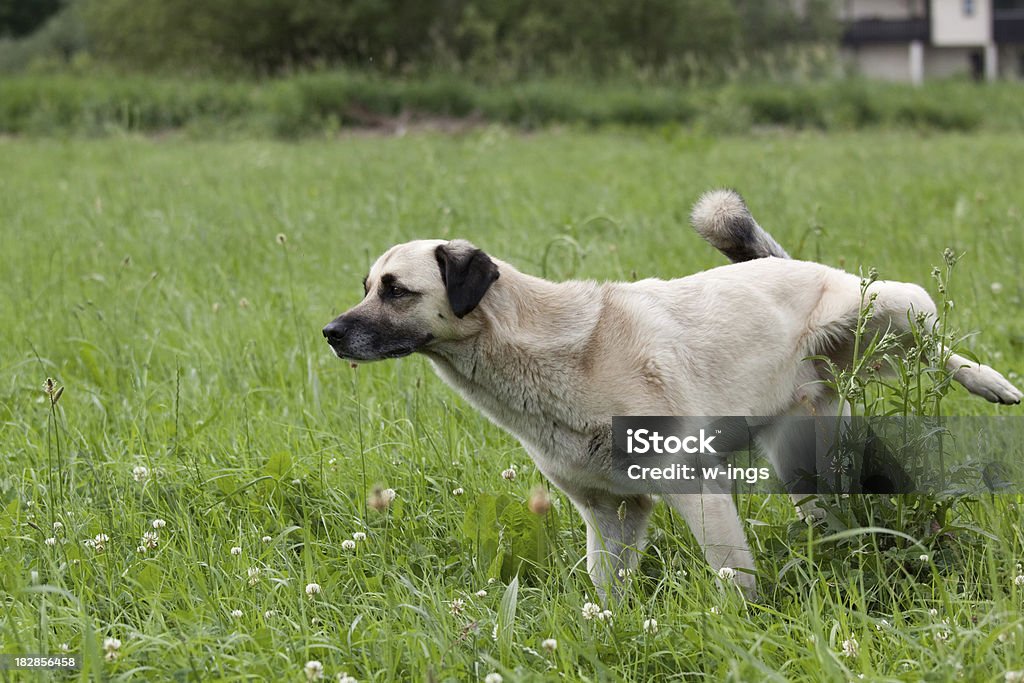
(354,338)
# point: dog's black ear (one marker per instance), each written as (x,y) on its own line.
(467,274)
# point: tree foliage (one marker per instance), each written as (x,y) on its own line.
(516,36)
(21,17)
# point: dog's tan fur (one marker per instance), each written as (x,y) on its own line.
(553,362)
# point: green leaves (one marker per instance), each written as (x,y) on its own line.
(509,539)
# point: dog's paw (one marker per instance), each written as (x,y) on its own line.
(747,583)
(988,383)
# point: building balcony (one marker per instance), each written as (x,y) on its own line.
(1008,26)
(871,31)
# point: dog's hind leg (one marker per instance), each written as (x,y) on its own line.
(713,519)
(898,303)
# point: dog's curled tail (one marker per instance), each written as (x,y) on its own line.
(722,218)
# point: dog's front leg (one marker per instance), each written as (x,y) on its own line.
(616,530)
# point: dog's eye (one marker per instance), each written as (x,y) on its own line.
(397,292)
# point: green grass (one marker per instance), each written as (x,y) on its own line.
(145,275)
(319,104)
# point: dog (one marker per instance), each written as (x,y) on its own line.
(553,362)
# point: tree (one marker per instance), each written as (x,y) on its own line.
(22,17)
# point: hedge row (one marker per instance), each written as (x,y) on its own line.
(314,104)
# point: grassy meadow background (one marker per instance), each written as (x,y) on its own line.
(148,277)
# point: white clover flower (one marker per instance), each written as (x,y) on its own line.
(882,624)
(359,536)
(509,474)
(348,544)
(140,549)
(650,626)
(605,615)
(140,473)
(270,614)
(57,526)
(727,573)
(236,550)
(458,492)
(494,677)
(850,648)
(267,539)
(715,610)
(549,645)
(254,575)
(996,287)
(591,611)
(942,635)
(314,670)
(379,499)
(1018,580)
(625,573)
(150,540)
(933,612)
(236,614)
(923,558)
(99,543)
(51,541)
(110,648)
(481,593)
(491,581)
(343,677)
(159,524)
(312,589)
(457,606)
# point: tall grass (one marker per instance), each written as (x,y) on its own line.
(318,103)
(148,279)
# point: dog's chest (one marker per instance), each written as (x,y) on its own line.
(572,452)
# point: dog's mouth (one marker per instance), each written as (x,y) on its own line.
(399,350)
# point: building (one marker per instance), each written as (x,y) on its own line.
(911,40)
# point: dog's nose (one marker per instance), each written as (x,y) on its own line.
(334,332)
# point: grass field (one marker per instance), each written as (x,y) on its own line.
(148,277)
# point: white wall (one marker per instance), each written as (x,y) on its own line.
(892,62)
(884,62)
(943,62)
(951,26)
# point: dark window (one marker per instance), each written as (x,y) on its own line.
(977,58)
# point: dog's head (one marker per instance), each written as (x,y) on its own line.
(416,294)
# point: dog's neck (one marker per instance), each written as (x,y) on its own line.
(529,355)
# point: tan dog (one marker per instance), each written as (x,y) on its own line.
(553,362)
